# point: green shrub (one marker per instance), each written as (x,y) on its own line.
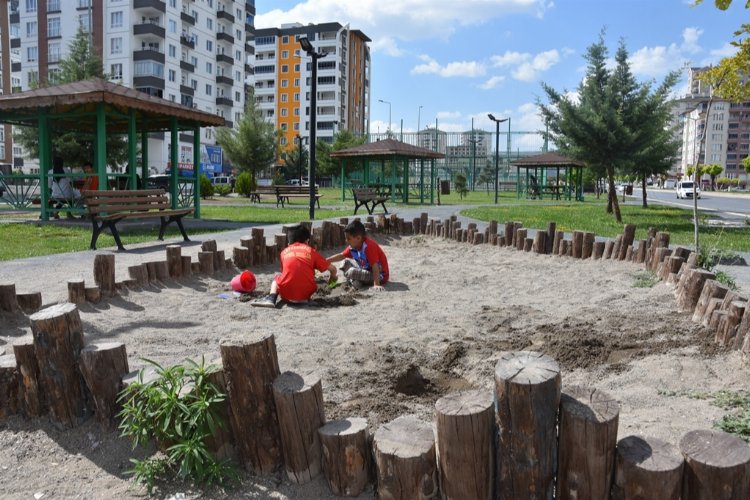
(644,279)
(459,184)
(179,411)
(245,184)
(207,189)
(222,190)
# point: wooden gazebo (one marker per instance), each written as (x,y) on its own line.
(395,153)
(101,107)
(542,177)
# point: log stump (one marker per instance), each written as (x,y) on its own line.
(250,367)
(563,250)
(9,386)
(299,406)
(527,244)
(577,244)
(616,248)
(527,390)
(221,442)
(404,451)
(549,240)
(640,254)
(588,245)
(727,329)
(688,297)
(647,468)
(743,329)
(174,261)
(31,396)
(608,249)
(187,266)
(717,466)
(588,436)
(671,265)
(521,235)
(103,365)
(58,339)
(209,246)
(206,260)
(139,273)
(104,274)
(76,291)
(712,289)
(540,242)
(93,294)
(628,236)
(8,302)
(509,228)
(346,455)
(220,260)
(598,250)
(559,236)
(241,256)
(466,444)
(29,302)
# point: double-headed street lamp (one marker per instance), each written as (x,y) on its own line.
(389,112)
(304,42)
(497,146)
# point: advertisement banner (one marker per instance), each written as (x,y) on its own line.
(211,160)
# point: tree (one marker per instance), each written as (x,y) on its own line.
(296,160)
(746,164)
(713,170)
(75,148)
(459,184)
(253,144)
(344,139)
(487,175)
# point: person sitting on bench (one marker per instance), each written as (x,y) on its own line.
(63,191)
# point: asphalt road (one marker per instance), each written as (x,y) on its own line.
(727,205)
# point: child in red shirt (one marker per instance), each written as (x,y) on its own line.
(299,261)
(371,263)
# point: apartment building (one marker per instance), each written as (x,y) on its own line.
(282,79)
(195,52)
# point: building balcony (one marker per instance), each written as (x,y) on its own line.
(187,18)
(224,101)
(224,80)
(223,58)
(15,43)
(148,55)
(157,5)
(249,69)
(249,49)
(148,83)
(16,66)
(184,89)
(226,37)
(149,29)
(228,123)
(187,66)
(187,41)
(15,18)
(250,7)
(226,15)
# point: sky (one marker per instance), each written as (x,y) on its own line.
(453,61)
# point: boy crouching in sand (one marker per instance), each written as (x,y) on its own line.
(299,261)
(371,264)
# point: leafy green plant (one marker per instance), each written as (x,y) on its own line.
(737,421)
(459,183)
(207,189)
(179,411)
(222,190)
(726,279)
(644,279)
(245,185)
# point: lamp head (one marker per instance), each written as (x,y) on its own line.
(492,117)
(304,42)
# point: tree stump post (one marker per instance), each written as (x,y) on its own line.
(598,250)
(660,254)
(559,236)
(58,340)
(564,246)
(466,444)
(423,216)
(588,245)
(299,406)
(221,442)
(139,273)
(717,466)
(727,329)
(628,236)
(743,329)
(404,451)
(616,247)
(346,455)
(241,257)
(29,303)
(671,266)
(174,261)
(521,235)
(661,240)
(509,232)
(259,243)
(688,297)
(588,436)
(8,302)
(640,255)
(528,243)
(647,468)
(527,390)
(219,260)
(549,240)
(28,370)
(93,294)
(103,366)
(540,242)
(187,266)
(609,246)
(250,367)
(76,291)
(206,260)
(577,244)
(104,274)
(629,253)
(9,386)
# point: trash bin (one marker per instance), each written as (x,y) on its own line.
(629,189)
(445,187)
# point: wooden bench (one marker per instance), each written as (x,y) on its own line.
(285,193)
(262,191)
(369,198)
(107,208)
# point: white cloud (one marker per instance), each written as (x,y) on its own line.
(388,46)
(690,38)
(492,83)
(726,50)
(510,58)
(448,115)
(530,71)
(657,61)
(459,68)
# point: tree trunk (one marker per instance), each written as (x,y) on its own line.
(717,466)
(346,455)
(104,274)
(9,386)
(28,369)
(8,302)
(613,194)
(643,189)
(103,366)
(648,469)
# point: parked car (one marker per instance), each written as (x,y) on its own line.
(684,189)
(221,180)
(159,181)
(669,183)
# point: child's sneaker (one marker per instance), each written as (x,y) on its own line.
(267,301)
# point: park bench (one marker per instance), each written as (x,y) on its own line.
(107,208)
(284,193)
(262,191)
(369,198)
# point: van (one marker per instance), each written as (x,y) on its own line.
(684,189)
(669,183)
(221,181)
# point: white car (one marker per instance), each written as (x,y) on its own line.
(684,189)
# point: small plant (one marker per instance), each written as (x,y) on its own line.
(207,189)
(736,422)
(644,279)
(245,184)
(222,190)
(726,279)
(179,411)
(459,184)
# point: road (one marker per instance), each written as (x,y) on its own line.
(728,205)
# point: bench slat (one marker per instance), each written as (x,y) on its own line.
(146,215)
(125,202)
(121,194)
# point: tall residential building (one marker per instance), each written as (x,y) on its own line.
(195,52)
(283,72)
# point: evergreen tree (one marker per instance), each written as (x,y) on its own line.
(344,139)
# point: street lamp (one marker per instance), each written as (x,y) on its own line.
(497,146)
(307,47)
(389,113)
(419,116)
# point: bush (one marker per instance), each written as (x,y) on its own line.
(245,184)
(207,189)
(179,411)
(459,184)
(222,190)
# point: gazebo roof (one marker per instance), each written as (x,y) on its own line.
(68,104)
(387,148)
(547,160)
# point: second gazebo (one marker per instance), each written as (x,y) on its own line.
(550,176)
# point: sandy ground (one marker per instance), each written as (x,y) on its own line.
(440,326)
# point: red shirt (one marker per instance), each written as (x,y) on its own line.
(369,254)
(298,264)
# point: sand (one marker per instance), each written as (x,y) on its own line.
(440,326)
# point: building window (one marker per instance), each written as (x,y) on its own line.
(172,51)
(284,83)
(172,24)
(53,50)
(296,111)
(296,82)
(237,97)
(53,26)
(149,68)
(30,5)
(284,112)
(209,23)
(33,77)
(31,54)
(285,39)
(173,4)
(54,75)
(209,89)
(115,19)
(194,61)
(172,75)
(238,35)
(209,46)
(115,71)
(284,97)
(194,84)
(296,124)
(82,4)
(209,68)
(284,68)
(31,29)
(115,45)
(296,97)
(84,22)
(53,5)
(194,15)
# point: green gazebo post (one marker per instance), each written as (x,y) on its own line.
(144,152)
(100,145)
(132,153)
(197,171)
(173,155)
(44,161)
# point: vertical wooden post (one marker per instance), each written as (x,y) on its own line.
(549,241)
(29,302)
(559,236)
(598,250)
(104,274)
(206,260)
(8,302)
(688,296)
(187,267)
(527,390)
(609,247)
(628,236)
(103,366)
(346,455)
(588,245)
(139,273)
(717,465)
(174,261)
(647,468)
(540,242)
(577,244)
(30,384)
(9,386)
(76,291)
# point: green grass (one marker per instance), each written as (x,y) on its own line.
(591,216)
(737,403)
(644,279)
(269,215)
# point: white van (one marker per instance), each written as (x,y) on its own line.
(221,181)
(684,189)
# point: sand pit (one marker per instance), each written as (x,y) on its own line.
(440,326)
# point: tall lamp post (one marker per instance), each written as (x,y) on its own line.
(389,113)
(419,116)
(304,42)
(497,146)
